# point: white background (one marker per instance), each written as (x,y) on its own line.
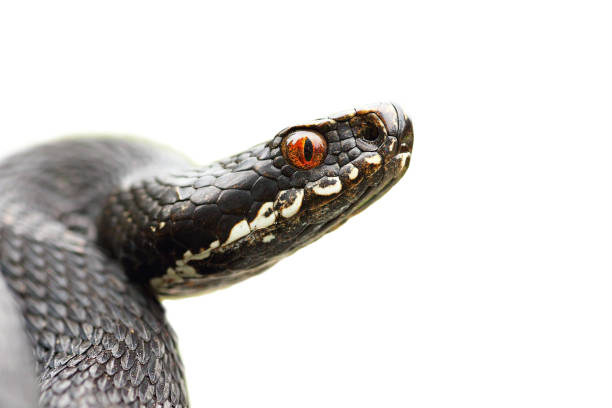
(482,280)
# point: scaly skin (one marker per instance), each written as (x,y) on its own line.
(91,230)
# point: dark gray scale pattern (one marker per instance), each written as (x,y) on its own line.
(18,385)
(98,339)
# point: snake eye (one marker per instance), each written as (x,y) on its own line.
(304,149)
(369,131)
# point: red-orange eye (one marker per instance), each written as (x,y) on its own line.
(304,149)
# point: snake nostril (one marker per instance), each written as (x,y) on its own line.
(370,133)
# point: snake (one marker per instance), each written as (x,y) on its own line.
(96,230)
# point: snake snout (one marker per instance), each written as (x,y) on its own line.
(396,122)
(405,135)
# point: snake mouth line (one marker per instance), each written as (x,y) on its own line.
(357,205)
(309,234)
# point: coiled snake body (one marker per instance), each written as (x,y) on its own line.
(93,229)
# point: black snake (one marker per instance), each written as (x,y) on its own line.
(93,229)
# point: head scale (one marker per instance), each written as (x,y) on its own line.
(223,223)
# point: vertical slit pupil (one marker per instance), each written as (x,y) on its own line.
(308,150)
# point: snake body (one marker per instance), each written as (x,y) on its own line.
(93,230)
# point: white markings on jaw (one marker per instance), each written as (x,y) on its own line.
(203,254)
(289,202)
(238,231)
(373,159)
(182,269)
(187,271)
(348,172)
(168,279)
(265,216)
(326,186)
(268,238)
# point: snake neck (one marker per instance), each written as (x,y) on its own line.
(60,189)
(97,339)
(160,217)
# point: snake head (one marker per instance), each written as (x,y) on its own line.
(216,225)
(366,151)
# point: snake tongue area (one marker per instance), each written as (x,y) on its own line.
(201,228)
